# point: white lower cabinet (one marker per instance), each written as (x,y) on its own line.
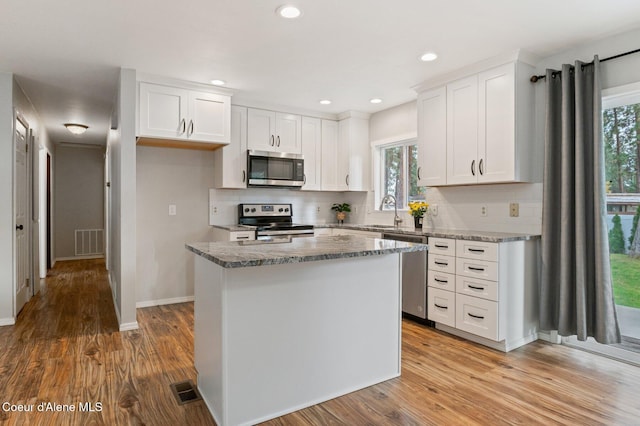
(485,292)
(220,234)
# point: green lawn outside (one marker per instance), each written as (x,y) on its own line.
(626,280)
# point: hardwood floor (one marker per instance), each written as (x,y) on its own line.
(66,349)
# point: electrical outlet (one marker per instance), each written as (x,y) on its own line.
(514,209)
(172,210)
(434,209)
(483,211)
(214,210)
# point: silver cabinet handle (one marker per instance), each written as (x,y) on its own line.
(473,287)
(473,167)
(473,268)
(244,176)
(475,316)
(278,144)
(440,306)
(441,281)
(242,238)
(304,179)
(480,168)
(190,132)
(476,250)
(273,141)
(441,246)
(419,168)
(346,179)
(183,125)
(441,263)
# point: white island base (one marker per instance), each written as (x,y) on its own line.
(270,340)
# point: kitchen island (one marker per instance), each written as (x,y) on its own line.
(286,325)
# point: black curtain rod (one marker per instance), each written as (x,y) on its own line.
(536,78)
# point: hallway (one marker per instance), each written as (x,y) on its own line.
(66,349)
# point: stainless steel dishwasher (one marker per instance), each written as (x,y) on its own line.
(414,278)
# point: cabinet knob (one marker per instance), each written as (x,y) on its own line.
(19,227)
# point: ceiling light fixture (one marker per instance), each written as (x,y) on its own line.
(76,129)
(218,82)
(429,56)
(325,102)
(375,100)
(289,11)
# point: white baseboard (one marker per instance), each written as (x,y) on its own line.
(550,336)
(96,256)
(170,301)
(7,321)
(129,326)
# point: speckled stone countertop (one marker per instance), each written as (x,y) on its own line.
(492,237)
(240,254)
(235,228)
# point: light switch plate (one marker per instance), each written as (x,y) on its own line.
(172,210)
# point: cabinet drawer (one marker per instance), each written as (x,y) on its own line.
(442,263)
(444,246)
(242,235)
(477,288)
(477,316)
(441,280)
(441,306)
(477,250)
(477,269)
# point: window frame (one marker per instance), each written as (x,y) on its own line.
(376,155)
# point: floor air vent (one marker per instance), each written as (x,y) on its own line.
(185,392)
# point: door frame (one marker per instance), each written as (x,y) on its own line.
(17,116)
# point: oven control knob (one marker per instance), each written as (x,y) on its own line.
(286,209)
(280,209)
(253,210)
(246,210)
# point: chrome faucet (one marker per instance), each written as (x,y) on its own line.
(397,220)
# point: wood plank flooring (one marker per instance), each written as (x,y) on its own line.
(66,349)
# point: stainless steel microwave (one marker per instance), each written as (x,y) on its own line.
(275,169)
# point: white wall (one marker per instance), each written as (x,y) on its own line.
(6,195)
(79,195)
(169,176)
(121,147)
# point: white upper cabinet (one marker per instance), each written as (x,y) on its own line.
(332,179)
(274,131)
(180,114)
(432,137)
(488,134)
(230,162)
(354,153)
(462,131)
(312,152)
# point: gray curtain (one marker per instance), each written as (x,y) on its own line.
(576,295)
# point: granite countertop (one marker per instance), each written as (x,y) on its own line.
(487,236)
(235,228)
(240,254)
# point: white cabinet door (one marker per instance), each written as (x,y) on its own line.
(312,151)
(163,111)
(332,179)
(432,137)
(261,126)
(288,133)
(230,162)
(342,160)
(209,117)
(358,155)
(462,131)
(496,126)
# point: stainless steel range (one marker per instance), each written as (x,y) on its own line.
(272,221)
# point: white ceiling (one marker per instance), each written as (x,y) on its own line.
(66,54)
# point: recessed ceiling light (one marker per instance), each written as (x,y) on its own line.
(375,100)
(76,129)
(218,82)
(289,11)
(429,56)
(325,102)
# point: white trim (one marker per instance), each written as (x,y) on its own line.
(502,345)
(94,256)
(607,351)
(7,321)
(169,301)
(192,85)
(129,326)
(405,137)
(627,94)
(550,336)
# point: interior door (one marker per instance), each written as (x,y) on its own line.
(21,215)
